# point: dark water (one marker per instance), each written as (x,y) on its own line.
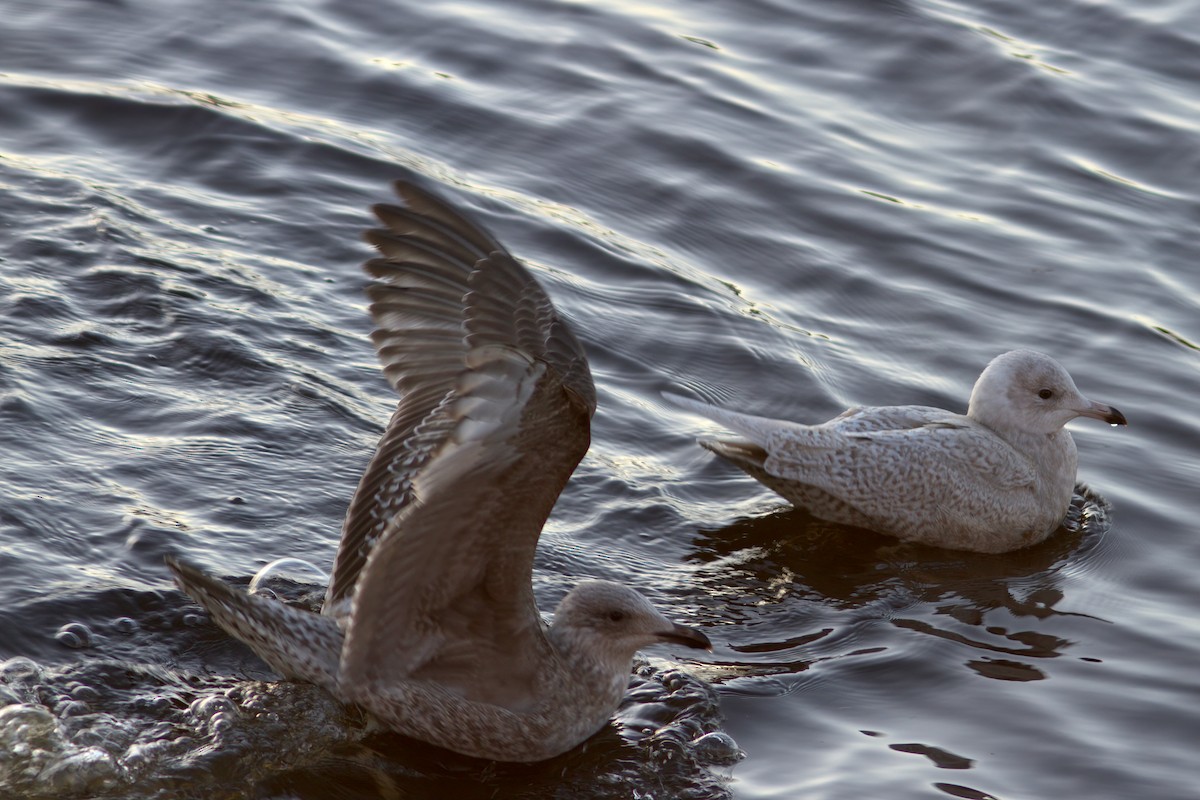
(791,207)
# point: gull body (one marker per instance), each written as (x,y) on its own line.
(997,478)
(429,621)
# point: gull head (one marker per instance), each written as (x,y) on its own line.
(1029,392)
(613,622)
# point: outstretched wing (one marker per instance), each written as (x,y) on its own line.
(444,285)
(435,567)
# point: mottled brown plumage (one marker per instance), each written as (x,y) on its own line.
(429,620)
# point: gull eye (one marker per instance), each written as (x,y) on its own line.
(1045,394)
(616,616)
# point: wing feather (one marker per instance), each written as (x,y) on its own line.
(446,593)
(433,575)
(429,253)
(866,465)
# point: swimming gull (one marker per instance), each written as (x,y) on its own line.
(993,480)
(429,621)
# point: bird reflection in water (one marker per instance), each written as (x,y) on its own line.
(773,575)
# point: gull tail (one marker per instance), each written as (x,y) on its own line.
(746,455)
(296,644)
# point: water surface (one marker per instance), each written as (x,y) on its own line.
(786,207)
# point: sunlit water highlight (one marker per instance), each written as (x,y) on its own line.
(790,207)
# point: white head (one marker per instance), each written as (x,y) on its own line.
(612,622)
(1027,391)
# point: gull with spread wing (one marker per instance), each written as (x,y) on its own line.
(429,621)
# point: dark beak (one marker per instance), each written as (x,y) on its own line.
(688,637)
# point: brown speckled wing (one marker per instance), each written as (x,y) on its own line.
(496,398)
(446,593)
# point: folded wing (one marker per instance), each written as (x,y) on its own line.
(870,454)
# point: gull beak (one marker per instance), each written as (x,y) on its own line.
(688,637)
(1104,414)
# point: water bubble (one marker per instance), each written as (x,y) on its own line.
(85,693)
(88,769)
(192,619)
(25,723)
(75,635)
(673,680)
(253,702)
(125,625)
(718,748)
(70,708)
(20,668)
(139,757)
(206,708)
(155,704)
(221,723)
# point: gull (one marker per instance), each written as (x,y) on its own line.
(996,479)
(429,621)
